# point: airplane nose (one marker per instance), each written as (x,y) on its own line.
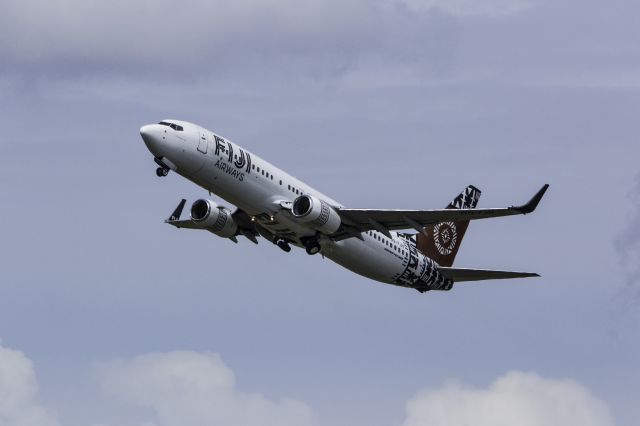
(151,138)
(145,132)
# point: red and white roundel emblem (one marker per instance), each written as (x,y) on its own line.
(445,236)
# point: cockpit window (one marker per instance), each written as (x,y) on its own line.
(173,126)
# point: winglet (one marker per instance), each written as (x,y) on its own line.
(177,212)
(533,202)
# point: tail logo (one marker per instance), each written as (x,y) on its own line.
(445,237)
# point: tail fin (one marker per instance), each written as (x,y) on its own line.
(441,241)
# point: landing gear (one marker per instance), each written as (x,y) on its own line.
(311,245)
(284,245)
(313,249)
(163,170)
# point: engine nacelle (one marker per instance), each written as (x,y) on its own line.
(211,217)
(316,213)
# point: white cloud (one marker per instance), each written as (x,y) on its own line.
(491,8)
(18,389)
(517,398)
(189,388)
(185,388)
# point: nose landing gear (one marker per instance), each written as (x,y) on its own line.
(163,170)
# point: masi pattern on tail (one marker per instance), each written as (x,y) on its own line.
(441,241)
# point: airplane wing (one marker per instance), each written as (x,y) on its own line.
(174,219)
(464,274)
(361,220)
(245,226)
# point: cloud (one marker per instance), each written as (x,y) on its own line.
(517,398)
(188,388)
(93,33)
(466,8)
(18,390)
(184,388)
(627,242)
(201,38)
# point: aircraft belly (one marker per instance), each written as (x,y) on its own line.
(379,263)
(364,259)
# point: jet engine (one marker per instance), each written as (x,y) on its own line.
(208,215)
(316,213)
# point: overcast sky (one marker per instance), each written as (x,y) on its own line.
(110,317)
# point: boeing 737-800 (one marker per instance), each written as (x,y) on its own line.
(276,206)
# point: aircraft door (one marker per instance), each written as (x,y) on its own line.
(203,141)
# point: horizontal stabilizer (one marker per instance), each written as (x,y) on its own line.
(465,274)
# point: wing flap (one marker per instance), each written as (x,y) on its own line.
(466,274)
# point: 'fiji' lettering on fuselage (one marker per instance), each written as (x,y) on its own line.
(233,166)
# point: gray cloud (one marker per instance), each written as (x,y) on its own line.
(201,38)
(106,36)
(492,8)
(627,243)
(354,44)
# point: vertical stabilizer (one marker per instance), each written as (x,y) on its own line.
(441,241)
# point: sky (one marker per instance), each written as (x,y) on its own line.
(109,317)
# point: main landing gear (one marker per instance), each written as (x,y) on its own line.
(311,245)
(284,245)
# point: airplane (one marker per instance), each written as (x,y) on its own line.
(283,210)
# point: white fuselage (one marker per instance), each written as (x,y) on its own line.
(261,190)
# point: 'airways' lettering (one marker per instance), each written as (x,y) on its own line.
(225,167)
